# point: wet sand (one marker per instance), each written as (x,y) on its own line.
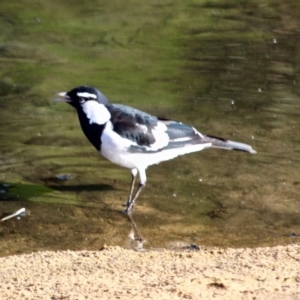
(117,273)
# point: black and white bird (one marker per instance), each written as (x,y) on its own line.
(134,139)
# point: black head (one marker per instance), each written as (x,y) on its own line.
(78,96)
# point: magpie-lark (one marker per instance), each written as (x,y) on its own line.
(134,139)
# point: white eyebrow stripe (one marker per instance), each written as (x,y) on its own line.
(86,95)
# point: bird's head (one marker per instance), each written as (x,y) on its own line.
(80,95)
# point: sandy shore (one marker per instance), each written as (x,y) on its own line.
(116,273)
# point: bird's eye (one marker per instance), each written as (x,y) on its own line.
(81,100)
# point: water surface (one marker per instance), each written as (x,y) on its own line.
(229,69)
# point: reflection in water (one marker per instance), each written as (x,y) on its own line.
(135,240)
(227,69)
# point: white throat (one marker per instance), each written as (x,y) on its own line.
(96,112)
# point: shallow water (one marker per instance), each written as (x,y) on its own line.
(230,70)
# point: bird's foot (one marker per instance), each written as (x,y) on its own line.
(129,206)
(126,210)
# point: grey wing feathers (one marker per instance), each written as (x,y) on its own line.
(177,130)
(135,114)
(181,135)
(133,124)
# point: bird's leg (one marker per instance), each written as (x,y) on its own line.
(131,202)
(133,176)
(131,188)
(142,184)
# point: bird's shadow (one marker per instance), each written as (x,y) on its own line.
(82,187)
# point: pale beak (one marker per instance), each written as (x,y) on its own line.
(63,97)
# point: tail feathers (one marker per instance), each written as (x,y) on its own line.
(228,145)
